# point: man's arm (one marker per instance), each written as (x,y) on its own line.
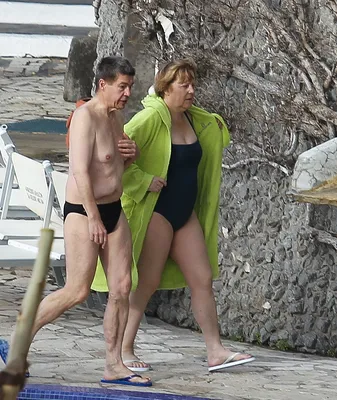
(82,142)
(126,146)
(129,150)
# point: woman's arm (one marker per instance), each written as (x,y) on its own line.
(136,182)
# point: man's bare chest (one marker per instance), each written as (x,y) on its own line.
(107,137)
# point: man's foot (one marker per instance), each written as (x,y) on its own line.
(228,359)
(124,376)
(4,350)
(134,364)
(128,380)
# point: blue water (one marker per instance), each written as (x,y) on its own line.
(38,125)
(51,392)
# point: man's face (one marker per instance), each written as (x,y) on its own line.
(117,92)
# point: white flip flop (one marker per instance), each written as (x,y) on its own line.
(230,363)
(136,369)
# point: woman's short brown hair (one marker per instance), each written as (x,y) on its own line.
(181,70)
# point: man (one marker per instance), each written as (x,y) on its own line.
(94,223)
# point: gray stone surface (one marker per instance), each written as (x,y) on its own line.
(70,352)
(32,88)
(28,66)
(136,52)
(79,75)
(112,23)
(315,166)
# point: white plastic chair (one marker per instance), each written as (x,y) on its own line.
(8,185)
(57,185)
(11,256)
(5,141)
(37,196)
(58,181)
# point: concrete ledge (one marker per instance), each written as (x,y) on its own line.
(50,14)
(35,29)
(19,45)
(67,2)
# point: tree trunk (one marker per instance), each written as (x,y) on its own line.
(112,19)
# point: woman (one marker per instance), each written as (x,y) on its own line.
(171,199)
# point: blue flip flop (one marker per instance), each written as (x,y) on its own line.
(4,349)
(126,381)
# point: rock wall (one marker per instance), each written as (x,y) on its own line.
(277,283)
(136,52)
(112,19)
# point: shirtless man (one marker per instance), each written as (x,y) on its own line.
(95,224)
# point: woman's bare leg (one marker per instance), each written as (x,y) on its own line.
(190,253)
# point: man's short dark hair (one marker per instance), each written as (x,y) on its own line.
(110,67)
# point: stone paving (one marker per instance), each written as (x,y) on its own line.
(32,88)
(71,350)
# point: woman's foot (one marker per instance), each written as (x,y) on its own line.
(134,364)
(227,359)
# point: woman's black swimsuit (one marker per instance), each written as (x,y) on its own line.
(176,200)
(109,213)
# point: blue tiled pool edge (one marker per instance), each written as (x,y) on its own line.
(56,392)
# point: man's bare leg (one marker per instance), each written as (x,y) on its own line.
(81,256)
(151,264)
(116,259)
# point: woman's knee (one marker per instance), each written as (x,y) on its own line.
(202,281)
(148,283)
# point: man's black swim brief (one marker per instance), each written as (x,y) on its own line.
(109,213)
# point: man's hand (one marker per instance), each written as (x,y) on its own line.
(157,184)
(128,149)
(97,231)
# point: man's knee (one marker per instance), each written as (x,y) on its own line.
(120,289)
(77,295)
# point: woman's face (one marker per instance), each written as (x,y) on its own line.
(180,95)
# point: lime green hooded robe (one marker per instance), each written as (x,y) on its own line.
(151,130)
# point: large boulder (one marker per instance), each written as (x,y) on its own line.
(79,75)
(314,178)
(135,51)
